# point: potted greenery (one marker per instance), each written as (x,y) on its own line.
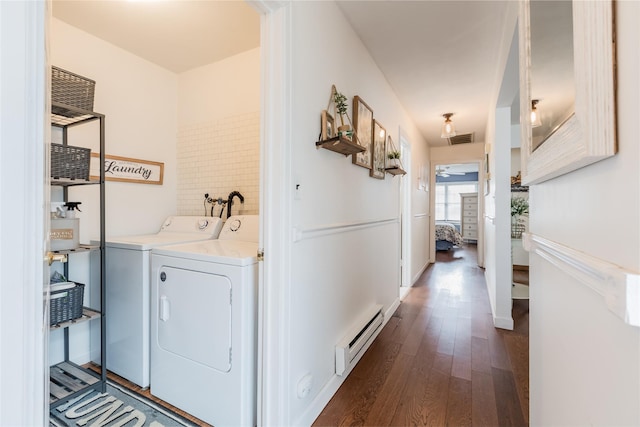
(393,159)
(340,102)
(519,207)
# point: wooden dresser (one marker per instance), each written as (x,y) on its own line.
(469,216)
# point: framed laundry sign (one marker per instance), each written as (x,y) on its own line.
(125,169)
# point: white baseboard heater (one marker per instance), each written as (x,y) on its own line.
(358,337)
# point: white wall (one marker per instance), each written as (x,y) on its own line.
(335,276)
(219,134)
(139,100)
(585,362)
(500,134)
(498,220)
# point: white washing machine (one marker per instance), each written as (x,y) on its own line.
(203,327)
(128,291)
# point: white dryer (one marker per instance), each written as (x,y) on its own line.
(203,328)
(128,291)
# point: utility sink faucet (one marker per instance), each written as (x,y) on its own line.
(230,201)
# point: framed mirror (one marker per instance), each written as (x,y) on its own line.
(567,86)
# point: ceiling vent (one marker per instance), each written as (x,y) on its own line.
(466,138)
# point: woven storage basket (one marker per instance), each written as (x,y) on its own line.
(72,89)
(66,304)
(71,162)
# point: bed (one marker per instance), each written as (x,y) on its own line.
(447,236)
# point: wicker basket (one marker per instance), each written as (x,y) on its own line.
(71,89)
(66,304)
(70,162)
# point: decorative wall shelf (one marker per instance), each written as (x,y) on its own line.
(340,145)
(396,171)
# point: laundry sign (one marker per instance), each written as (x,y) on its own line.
(126,169)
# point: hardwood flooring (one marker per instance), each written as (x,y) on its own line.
(439,361)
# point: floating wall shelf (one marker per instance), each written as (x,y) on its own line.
(396,171)
(340,145)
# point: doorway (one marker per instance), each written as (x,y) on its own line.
(160,103)
(457,207)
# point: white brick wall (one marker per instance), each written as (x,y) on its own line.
(219,157)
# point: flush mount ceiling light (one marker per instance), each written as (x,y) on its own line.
(535,114)
(448,130)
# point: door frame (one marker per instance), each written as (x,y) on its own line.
(276,195)
(481,210)
(24,130)
(406,273)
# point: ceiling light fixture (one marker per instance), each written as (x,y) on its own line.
(535,114)
(448,130)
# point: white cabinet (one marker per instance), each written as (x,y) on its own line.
(469,216)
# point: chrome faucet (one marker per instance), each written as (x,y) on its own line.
(230,201)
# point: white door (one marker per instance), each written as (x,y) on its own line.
(24,190)
(194,316)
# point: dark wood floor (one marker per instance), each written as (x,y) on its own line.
(439,361)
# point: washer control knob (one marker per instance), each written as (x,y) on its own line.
(202,224)
(163,276)
(235,225)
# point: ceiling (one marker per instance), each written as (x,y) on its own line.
(178,35)
(438,56)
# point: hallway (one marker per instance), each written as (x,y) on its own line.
(439,360)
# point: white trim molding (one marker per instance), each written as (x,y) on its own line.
(325,230)
(273,393)
(24,132)
(619,287)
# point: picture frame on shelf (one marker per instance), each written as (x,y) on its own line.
(327,124)
(379,151)
(363,126)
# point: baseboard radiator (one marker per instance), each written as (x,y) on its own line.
(350,347)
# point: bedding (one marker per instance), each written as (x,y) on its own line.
(447,235)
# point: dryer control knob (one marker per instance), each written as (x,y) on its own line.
(235,225)
(203,223)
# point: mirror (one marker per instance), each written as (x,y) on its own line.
(567,62)
(552,84)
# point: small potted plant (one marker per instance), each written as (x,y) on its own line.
(340,102)
(393,159)
(519,207)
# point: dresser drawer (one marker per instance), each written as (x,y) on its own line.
(466,214)
(469,227)
(471,199)
(470,220)
(470,206)
(468,234)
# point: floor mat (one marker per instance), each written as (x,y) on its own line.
(118,407)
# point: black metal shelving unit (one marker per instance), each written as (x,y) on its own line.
(68,380)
